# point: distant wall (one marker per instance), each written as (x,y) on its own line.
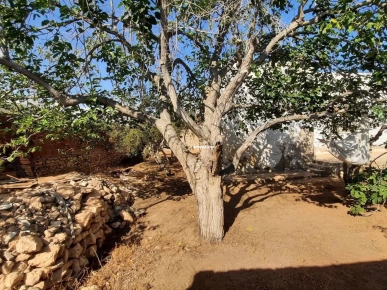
(63,156)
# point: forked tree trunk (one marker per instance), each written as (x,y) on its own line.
(208,192)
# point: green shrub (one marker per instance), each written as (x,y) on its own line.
(368,188)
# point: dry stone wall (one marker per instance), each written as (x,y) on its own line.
(49,233)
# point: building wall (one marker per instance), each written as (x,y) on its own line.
(272,149)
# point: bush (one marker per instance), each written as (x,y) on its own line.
(368,188)
(134,141)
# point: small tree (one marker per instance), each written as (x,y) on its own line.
(194,62)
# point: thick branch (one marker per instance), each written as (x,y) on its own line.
(67,100)
(249,140)
(164,61)
(378,134)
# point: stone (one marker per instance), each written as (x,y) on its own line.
(55,223)
(61,237)
(20,267)
(22,257)
(33,277)
(12,244)
(83,261)
(65,191)
(47,258)
(36,203)
(56,276)
(29,244)
(107,230)
(99,234)
(6,268)
(65,256)
(13,279)
(83,183)
(8,256)
(75,266)
(75,251)
(9,237)
(94,287)
(76,202)
(84,218)
(95,227)
(115,225)
(91,251)
(126,216)
(119,199)
(100,242)
(42,285)
(90,239)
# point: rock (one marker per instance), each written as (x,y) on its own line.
(75,251)
(76,202)
(13,279)
(33,277)
(90,239)
(91,251)
(65,256)
(42,285)
(126,216)
(94,287)
(83,183)
(29,244)
(56,276)
(20,267)
(107,230)
(83,261)
(84,218)
(100,242)
(9,237)
(36,203)
(75,265)
(119,199)
(55,223)
(115,225)
(47,258)
(6,268)
(8,256)
(95,227)
(22,257)
(99,234)
(53,215)
(65,191)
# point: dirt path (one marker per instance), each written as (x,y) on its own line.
(283,235)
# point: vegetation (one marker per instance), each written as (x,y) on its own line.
(368,188)
(196,63)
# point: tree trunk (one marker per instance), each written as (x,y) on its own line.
(208,192)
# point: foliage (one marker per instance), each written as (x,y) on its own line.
(133,141)
(368,188)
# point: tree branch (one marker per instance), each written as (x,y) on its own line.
(249,140)
(164,61)
(67,100)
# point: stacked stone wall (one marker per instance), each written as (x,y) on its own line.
(50,232)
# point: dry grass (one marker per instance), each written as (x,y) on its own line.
(116,273)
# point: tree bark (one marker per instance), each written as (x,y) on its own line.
(208,192)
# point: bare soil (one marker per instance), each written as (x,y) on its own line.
(290,234)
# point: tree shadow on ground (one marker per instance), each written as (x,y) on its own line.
(320,192)
(367,276)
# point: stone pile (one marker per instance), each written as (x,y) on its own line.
(49,233)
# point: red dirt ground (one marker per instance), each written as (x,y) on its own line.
(293,234)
